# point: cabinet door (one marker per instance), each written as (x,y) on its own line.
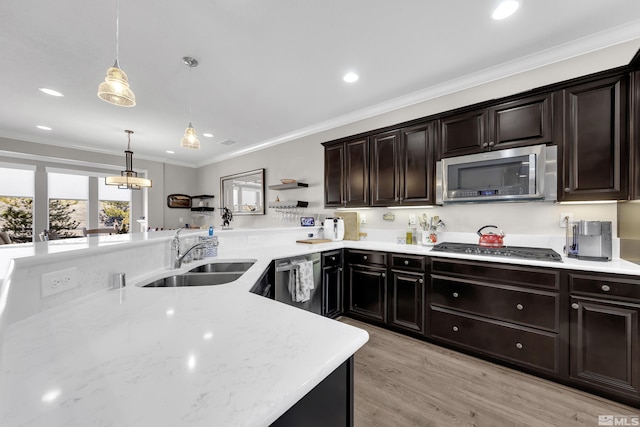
(334,175)
(521,122)
(604,346)
(463,133)
(356,173)
(406,295)
(385,150)
(417,165)
(368,292)
(332,284)
(634,137)
(595,148)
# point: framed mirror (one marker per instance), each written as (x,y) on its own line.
(243,193)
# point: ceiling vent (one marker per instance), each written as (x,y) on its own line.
(228,142)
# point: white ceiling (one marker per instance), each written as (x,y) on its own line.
(270,70)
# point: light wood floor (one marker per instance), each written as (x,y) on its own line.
(401,381)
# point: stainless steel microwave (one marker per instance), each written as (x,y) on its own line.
(515,174)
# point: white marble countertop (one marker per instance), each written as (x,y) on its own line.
(195,356)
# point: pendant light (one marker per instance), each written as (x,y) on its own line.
(190,139)
(115,87)
(128,179)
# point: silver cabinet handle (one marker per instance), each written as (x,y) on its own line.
(384,275)
(519,306)
(420,281)
(605,288)
(455,329)
(519,346)
(364,257)
(485,145)
(333,258)
(575,306)
(339,268)
(491,143)
(567,190)
(455,295)
(406,262)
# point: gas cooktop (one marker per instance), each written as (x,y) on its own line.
(541,254)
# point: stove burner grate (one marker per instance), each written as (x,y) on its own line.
(542,254)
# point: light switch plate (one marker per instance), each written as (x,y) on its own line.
(58,281)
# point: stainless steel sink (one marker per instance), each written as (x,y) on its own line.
(229,267)
(194,279)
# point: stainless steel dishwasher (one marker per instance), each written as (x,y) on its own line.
(283,269)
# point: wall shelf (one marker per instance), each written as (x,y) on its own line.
(288,186)
(288,204)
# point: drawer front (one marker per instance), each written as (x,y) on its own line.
(603,286)
(331,259)
(408,262)
(519,345)
(515,274)
(367,258)
(526,307)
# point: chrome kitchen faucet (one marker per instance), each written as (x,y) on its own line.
(176,256)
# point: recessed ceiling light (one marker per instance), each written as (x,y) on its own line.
(171,152)
(43,127)
(350,77)
(208,135)
(505,9)
(50,91)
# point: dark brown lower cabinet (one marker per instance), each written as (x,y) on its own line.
(406,296)
(524,346)
(332,283)
(368,292)
(605,353)
(507,312)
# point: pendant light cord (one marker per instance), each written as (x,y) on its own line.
(117,30)
(190,67)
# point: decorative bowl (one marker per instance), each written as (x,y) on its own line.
(288,181)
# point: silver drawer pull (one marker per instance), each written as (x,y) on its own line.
(519,306)
(455,295)
(420,281)
(406,262)
(519,345)
(455,329)
(605,288)
(575,306)
(383,275)
(333,258)
(364,257)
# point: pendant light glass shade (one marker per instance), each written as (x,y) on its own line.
(190,139)
(115,88)
(128,178)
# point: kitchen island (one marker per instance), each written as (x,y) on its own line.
(193,356)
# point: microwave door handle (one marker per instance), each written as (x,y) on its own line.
(534,190)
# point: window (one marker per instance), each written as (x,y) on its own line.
(68,203)
(16,203)
(115,207)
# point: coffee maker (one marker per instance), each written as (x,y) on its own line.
(589,240)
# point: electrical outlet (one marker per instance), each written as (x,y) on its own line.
(563,219)
(363,218)
(252,240)
(58,281)
(180,220)
(412,219)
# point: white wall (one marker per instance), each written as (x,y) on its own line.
(302,159)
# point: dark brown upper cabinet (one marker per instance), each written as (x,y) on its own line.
(346,174)
(402,166)
(525,121)
(595,151)
(634,138)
